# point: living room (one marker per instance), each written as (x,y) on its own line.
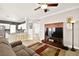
(24,25)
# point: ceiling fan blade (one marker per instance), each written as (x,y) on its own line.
(37,8)
(52,4)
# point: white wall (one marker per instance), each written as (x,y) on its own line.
(62,17)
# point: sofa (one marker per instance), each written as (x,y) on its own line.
(5,48)
(15,49)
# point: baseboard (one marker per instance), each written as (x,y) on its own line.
(71,47)
(76,47)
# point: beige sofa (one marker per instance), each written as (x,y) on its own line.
(15,49)
(5,48)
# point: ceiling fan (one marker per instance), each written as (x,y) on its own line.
(45,6)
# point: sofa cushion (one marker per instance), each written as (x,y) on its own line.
(30,51)
(17,48)
(3,40)
(22,50)
(14,44)
(6,50)
(22,53)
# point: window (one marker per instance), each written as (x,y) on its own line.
(7,26)
(12,28)
(22,26)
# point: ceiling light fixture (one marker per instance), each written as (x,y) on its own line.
(44,6)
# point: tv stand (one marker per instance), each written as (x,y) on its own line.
(55,43)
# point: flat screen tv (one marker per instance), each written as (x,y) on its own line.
(56,32)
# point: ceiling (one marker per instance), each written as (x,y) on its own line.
(18,11)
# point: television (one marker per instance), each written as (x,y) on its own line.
(58,33)
(54,32)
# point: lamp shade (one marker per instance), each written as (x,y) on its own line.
(70,20)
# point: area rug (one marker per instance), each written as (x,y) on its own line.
(46,50)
